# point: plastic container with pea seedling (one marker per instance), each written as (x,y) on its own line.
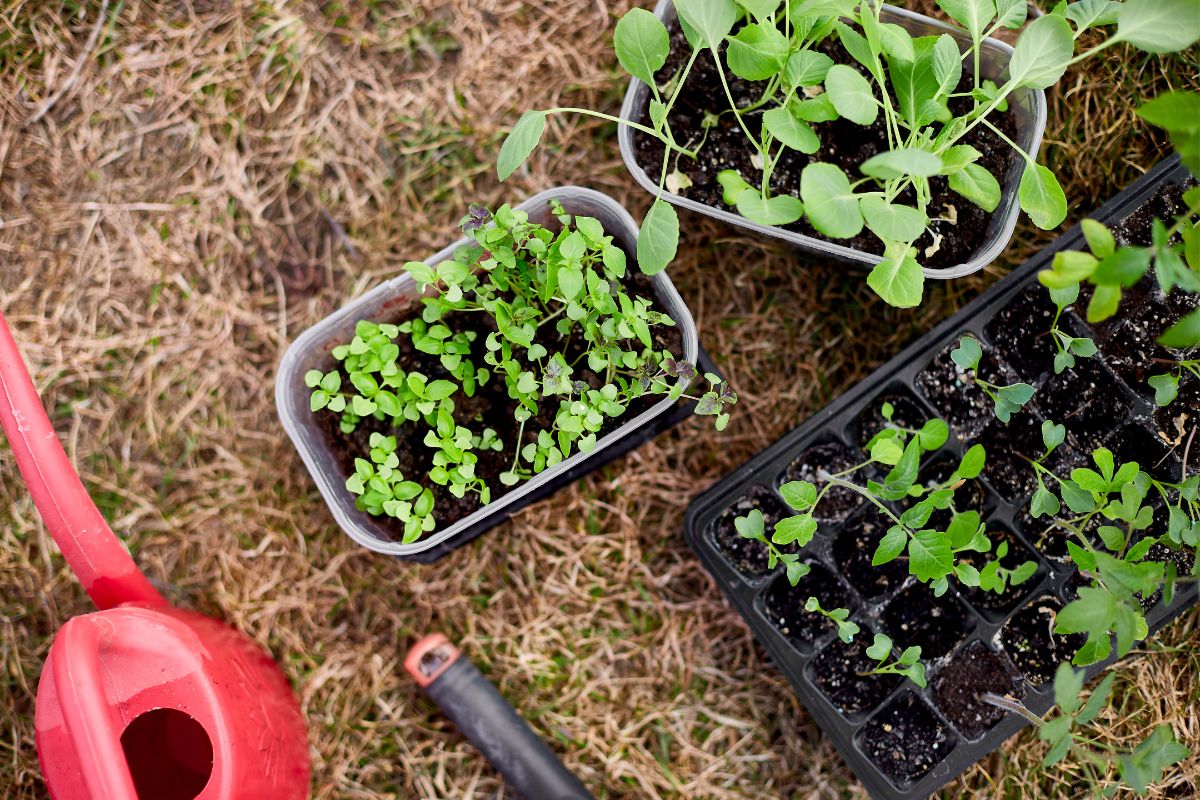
(1027,105)
(312,349)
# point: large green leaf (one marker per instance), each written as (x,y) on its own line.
(1088,13)
(1159,26)
(929,555)
(831,204)
(642,44)
(760,9)
(658,238)
(1042,197)
(806,68)
(711,20)
(1042,53)
(851,94)
(892,221)
(974,15)
(915,85)
(1011,13)
(978,185)
(898,279)
(791,130)
(520,142)
(757,51)
(902,161)
(947,64)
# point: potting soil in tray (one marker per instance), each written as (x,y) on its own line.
(490,407)
(902,741)
(962,226)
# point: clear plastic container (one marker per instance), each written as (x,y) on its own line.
(312,351)
(1028,105)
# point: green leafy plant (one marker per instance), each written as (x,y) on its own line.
(1006,400)
(1066,346)
(1065,731)
(908,82)
(752,526)
(907,664)
(847,629)
(548,315)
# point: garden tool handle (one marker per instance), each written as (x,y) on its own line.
(490,723)
(87,714)
(92,550)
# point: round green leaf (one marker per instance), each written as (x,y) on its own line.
(791,130)
(978,185)
(898,278)
(1159,26)
(779,210)
(642,44)
(1042,197)
(902,161)
(658,238)
(851,94)
(831,204)
(757,52)
(711,20)
(892,221)
(1042,53)
(806,68)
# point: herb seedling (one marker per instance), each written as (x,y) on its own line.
(846,628)
(1136,768)
(1006,400)
(778,46)
(544,313)
(908,664)
(1067,347)
(753,527)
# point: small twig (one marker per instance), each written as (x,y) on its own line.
(1186,449)
(1010,705)
(69,83)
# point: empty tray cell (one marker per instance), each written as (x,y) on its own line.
(816,464)
(1088,400)
(854,548)
(1010,447)
(783,605)
(1155,457)
(906,740)
(841,670)
(749,557)
(916,617)
(907,412)
(1029,639)
(972,671)
(1020,332)
(969,496)
(1017,555)
(1130,345)
(1177,420)
(954,393)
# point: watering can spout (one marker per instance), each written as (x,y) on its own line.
(91,549)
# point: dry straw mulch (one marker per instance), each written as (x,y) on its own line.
(185,186)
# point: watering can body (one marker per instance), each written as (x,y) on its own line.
(141,700)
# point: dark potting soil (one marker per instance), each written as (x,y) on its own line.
(829,458)
(1018,554)
(968,496)
(1155,457)
(955,394)
(906,739)
(855,547)
(783,604)
(490,407)
(906,413)
(971,672)
(842,143)
(1010,446)
(1021,331)
(840,672)
(1177,421)
(916,617)
(748,556)
(1030,641)
(1088,400)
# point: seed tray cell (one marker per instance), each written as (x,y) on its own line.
(1000,637)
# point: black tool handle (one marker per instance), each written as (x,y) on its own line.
(491,724)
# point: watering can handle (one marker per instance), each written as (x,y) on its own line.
(91,549)
(87,715)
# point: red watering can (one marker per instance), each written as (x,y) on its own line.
(141,700)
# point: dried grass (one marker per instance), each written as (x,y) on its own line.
(183,193)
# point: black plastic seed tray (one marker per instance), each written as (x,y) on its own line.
(901,741)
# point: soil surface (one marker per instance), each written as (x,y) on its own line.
(1029,639)
(972,671)
(1089,401)
(830,458)
(840,672)
(906,740)
(1021,331)
(749,557)
(854,548)
(935,624)
(955,394)
(783,604)
(490,407)
(842,143)
(1010,446)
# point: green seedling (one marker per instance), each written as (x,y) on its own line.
(908,664)
(1006,400)
(846,628)
(1067,347)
